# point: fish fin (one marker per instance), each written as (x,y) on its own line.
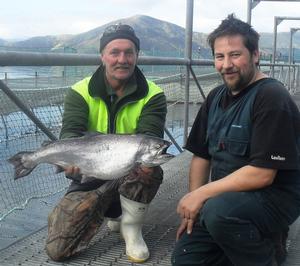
(92,133)
(17,162)
(46,143)
(87,179)
(59,169)
(148,164)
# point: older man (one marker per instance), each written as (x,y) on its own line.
(116,99)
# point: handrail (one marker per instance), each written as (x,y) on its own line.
(63,59)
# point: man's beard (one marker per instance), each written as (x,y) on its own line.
(242,81)
(238,85)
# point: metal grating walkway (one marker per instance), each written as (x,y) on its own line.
(107,248)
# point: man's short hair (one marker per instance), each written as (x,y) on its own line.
(232,26)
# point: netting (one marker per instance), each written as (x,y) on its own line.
(19,133)
(44,96)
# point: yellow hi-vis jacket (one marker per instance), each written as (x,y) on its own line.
(126,118)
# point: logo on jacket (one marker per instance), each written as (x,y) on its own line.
(236,126)
(277,158)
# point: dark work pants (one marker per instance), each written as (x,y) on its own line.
(234,228)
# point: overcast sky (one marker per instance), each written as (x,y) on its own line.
(27,18)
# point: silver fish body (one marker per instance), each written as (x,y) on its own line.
(100,156)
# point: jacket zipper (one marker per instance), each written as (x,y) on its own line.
(119,110)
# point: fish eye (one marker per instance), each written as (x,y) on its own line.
(157,146)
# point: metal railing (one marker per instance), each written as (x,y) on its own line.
(289,77)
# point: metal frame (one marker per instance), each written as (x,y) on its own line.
(291,55)
(291,58)
(60,59)
(188,57)
(253,3)
(277,21)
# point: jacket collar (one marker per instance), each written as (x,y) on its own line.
(137,85)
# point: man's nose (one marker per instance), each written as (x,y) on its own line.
(122,58)
(227,63)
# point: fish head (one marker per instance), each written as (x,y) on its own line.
(153,151)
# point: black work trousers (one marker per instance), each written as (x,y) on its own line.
(234,228)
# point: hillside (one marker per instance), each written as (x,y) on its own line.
(157,37)
(3,42)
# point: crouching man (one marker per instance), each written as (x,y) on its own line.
(117,98)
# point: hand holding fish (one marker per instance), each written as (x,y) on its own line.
(72,171)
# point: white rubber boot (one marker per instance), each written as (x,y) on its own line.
(114,224)
(133,214)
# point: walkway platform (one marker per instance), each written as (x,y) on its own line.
(108,248)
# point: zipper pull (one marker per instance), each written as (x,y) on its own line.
(222,145)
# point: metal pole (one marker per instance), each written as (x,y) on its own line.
(173,140)
(298,76)
(249,12)
(274,45)
(290,58)
(291,45)
(188,54)
(197,83)
(251,5)
(51,59)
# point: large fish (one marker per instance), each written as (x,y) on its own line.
(99,156)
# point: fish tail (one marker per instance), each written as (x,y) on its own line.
(18,162)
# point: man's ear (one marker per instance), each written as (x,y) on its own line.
(101,59)
(256,56)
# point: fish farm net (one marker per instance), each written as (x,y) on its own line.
(43,187)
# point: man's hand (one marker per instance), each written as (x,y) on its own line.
(186,224)
(143,173)
(188,208)
(73,172)
(189,205)
(146,170)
